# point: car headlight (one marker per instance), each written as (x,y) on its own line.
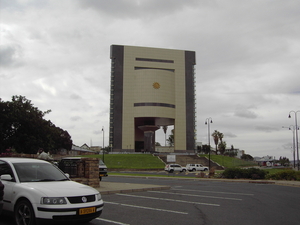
(98,196)
(53,200)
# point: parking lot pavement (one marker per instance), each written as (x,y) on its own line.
(199,201)
(114,187)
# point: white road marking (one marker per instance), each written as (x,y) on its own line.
(172,200)
(202,196)
(148,208)
(216,192)
(111,221)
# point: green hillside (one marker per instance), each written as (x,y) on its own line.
(148,161)
(131,161)
(230,162)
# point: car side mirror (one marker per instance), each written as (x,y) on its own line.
(7,177)
(67,175)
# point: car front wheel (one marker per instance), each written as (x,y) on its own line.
(24,214)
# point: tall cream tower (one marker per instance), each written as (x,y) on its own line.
(151,88)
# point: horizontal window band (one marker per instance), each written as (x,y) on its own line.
(149,68)
(154,104)
(154,60)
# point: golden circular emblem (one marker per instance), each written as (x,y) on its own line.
(156,85)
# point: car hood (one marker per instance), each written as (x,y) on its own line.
(61,188)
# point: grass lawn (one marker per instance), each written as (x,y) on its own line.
(230,162)
(150,162)
(275,170)
(131,161)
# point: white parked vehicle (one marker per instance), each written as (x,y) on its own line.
(36,190)
(196,167)
(174,168)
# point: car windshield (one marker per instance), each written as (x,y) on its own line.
(38,172)
(101,162)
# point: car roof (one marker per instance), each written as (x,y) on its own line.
(22,160)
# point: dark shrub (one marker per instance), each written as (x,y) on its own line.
(251,173)
(255,173)
(285,175)
(232,173)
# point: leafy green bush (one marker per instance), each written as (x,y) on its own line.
(285,175)
(250,173)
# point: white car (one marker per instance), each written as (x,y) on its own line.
(196,167)
(36,190)
(174,168)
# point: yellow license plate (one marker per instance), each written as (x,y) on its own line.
(84,211)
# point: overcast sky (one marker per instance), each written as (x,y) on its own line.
(56,54)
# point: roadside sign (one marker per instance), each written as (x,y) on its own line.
(171,158)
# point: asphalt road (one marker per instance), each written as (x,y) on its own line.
(199,202)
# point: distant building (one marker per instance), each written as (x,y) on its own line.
(96,149)
(151,89)
(236,152)
(265,160)
(85,146)
(76,150)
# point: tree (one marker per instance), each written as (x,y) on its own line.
(215,136)
(284,161)
(23,128)
(205,149)
(220,136)
(170,140)
(222,147)
(247,157)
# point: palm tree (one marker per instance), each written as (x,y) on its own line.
(216,139)
(221,145)
(170,140)
(220,135)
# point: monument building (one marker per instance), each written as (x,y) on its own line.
(151,89)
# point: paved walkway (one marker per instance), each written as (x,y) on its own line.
(114,187)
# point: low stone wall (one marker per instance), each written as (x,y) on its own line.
(88,172)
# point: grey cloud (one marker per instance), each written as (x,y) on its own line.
(133,9)
(245,112)
(229,135)
(9,55)
(75,96)
(21,5)
(266,129)
(97,132)
(76,118)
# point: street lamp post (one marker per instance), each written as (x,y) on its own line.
(292,128)
(296,127)
(208,121)
(103,144)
